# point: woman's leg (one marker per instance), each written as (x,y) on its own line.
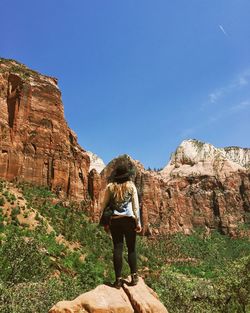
(117,236)
(130,236)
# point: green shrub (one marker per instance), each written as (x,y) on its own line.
(15,211)
(2,202)
(39,297)
(48,240)
(21,260)
(228,292)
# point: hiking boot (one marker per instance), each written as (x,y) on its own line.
(134,279)
(118,283)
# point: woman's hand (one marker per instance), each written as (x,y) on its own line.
(106,228)
(138,229)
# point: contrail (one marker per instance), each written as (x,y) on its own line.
(223,30)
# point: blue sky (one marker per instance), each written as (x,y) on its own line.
(140,76)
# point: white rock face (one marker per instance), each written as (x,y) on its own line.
(238,155)
(195,158)
(95,162)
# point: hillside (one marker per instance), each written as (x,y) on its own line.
(47,254)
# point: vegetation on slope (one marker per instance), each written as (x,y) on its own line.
(50,251)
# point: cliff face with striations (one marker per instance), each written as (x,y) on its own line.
(200,187)
(36,145)
(208,186)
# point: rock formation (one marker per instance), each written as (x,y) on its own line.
(200,187)
(36,145)
(238,155)
(105,299)
(95,162)
(195,158)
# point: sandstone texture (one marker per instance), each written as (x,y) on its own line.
(200,187)
(36,145)
(143,298)
(105,299)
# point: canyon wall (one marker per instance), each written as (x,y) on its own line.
(36,145)
(199,188)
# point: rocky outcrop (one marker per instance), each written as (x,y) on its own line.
(238,155)
(36,145)
(95,162)
(199,187)
(105,299)
(196,158)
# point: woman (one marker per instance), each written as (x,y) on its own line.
(122,196)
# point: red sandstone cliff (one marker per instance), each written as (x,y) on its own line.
(36,145)
(200,187)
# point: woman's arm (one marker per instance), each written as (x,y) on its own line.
(104,204)
(136,208)
(106,199)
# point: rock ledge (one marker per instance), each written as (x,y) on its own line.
(104,299)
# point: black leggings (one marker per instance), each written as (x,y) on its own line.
(120,228)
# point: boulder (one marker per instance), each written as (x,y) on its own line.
(143,298)
(106,299)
